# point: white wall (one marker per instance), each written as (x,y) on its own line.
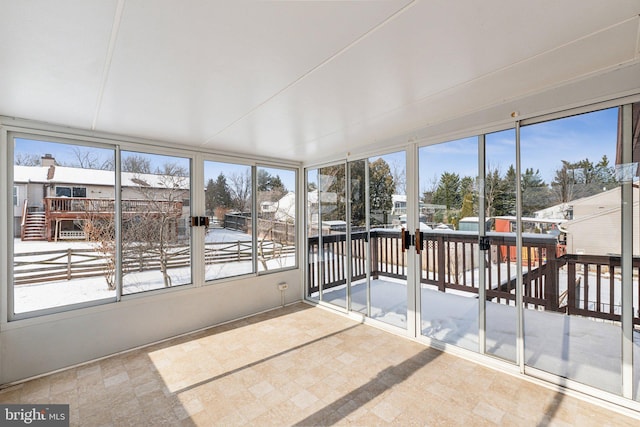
(34,346)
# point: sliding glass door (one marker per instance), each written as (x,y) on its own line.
(525,244)
(449,260)
(501,316)
(387,207)
(355,214)
(573,296)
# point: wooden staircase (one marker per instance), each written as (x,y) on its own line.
(34,226)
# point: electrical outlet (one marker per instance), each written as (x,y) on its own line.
(283,286)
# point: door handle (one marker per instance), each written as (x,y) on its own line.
(404,239)
(484,243)
(419,241)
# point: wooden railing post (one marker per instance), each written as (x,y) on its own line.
(441,263)
(69,264)
(571,286)
(374,255)
(551,288)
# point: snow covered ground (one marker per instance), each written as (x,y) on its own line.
(581,349)
(56,293)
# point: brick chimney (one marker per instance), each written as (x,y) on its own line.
(47,160)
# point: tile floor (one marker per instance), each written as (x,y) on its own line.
(300,365)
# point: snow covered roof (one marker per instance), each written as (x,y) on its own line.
(327,197)
(69,175)
(286,207)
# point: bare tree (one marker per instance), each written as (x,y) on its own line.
(136,163)
(101,232)
(86,158)
(492,188)
(399,174)
(154,231)
(272,240)
(240,187)
(26,159)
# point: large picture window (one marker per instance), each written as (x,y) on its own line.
(156,242)
(82,237)
(58,259)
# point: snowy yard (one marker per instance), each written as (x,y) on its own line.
(56,293)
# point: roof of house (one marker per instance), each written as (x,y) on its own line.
(81,176)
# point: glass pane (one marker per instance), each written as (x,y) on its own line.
(228,243)
(629,174)
(63,222)
(360,291)
(276,218)
(500,210)
(313,235)
(449,261)
(331,182)
(572,277)
(387,211)
(156,247)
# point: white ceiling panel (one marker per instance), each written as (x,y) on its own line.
(52,56)
(421,69)
(523,79)
(295,79)
(197,67)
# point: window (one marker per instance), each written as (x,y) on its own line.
(228,244)
(63,192)
(62,251)
(276,223)
(80,240)
(71,192)
(156,246)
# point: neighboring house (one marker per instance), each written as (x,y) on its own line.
(399,204)
(285,209)
(595,225)
(53,202)
(326,205)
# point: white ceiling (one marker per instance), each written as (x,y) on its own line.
(295,80)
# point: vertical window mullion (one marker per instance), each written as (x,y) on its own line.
(254,221)
(117,207)
(627,256)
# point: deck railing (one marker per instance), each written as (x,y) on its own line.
(64,206)
(552,281)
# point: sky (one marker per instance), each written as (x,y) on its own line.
(543,147)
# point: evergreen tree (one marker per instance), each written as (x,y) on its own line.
(492,188)
(467,206)
(381,187)
(268,182)
(217,194)
(448,191)
(582,179)
(535,193)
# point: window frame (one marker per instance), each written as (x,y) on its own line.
(54,134)
(297,210)
(8,308)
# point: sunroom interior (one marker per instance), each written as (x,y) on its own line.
(172,167)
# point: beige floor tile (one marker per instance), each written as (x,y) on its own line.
(309,367)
